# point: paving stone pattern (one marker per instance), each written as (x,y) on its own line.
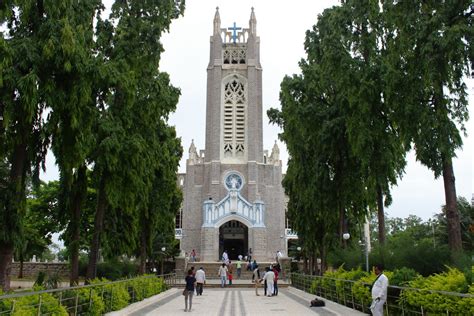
(233,302)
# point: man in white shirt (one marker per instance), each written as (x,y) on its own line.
(223,274)
(379,291)
(269,277)
(200,280)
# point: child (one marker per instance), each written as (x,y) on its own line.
(229,276)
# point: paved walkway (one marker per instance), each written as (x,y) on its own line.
(235,301)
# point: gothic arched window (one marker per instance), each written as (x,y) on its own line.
(235,101)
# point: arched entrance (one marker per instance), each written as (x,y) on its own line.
(233,237)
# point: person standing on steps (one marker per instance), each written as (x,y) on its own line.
(379,291)
(189,291)
(239,267)
(200,280)
(222,273)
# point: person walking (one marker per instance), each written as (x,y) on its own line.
(193,255)
(269,279)
(189,291)
(225,257)
(239,267)
(379,291)
(222,274)
(256,279)
(200,280)
(275,284)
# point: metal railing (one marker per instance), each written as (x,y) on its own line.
(348,293)
(79,300)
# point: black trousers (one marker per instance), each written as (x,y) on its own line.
(199,287)
(275,287)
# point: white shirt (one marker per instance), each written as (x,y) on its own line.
(200,276)
(222,271)
(379,289)
(269,276)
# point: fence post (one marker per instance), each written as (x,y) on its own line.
(90,299)
(39,305)
(76,303)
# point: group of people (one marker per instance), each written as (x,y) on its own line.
(194,282)
(269,278)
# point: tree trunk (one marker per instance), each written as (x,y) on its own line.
(16,195)
(322,253)
(452,214)
(381,216)
(98,228)
(79,194)
(143,254)
(6,256)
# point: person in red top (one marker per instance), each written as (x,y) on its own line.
(276,270)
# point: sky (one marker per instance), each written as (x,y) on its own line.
(281,26)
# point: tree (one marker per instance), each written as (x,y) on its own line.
(373,138)
(72,68)
(137,96)
(314,118)
(429,51)
(22,102)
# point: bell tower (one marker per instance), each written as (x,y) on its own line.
(233,197)
(234,94)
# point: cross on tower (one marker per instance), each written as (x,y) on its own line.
(234,33)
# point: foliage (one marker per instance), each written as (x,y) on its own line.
(28,305)
(452,280)
(114,270)
(115,295)
(90,301)
(47,281)
(146,286)
(137,99)
(401,277)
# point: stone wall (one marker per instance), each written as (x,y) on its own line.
(31,269)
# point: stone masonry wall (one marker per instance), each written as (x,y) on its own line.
(31,269)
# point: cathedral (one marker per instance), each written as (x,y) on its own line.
(233,196)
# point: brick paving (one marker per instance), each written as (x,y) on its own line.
(235,301)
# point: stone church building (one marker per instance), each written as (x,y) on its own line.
(233,197)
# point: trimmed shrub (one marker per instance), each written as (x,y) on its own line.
(115,296)
(146,286)
(28,305)
(90,301)
(452,280)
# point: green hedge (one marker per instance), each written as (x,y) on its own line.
(333,287)
(95,300)
(452,280)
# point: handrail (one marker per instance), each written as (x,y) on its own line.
(78,287)
(391,286)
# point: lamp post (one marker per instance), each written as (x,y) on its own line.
(163,249)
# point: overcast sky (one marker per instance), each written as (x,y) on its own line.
(281,26)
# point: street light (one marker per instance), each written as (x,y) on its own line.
(346,236)
(163,249)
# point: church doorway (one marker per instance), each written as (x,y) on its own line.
(233,238)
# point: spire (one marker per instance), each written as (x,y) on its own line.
(217,22)
(192,151)
(275,156)
(253,23)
